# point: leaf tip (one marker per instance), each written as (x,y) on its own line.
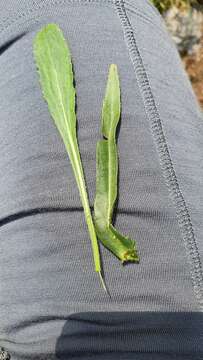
(50,27)
(113,70)
(113,67)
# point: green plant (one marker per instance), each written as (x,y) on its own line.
(53,59)
(106,175)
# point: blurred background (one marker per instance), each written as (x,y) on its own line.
(184,20)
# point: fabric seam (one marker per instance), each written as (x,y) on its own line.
(149,3)
(182,211)
(133,11)
(145,19)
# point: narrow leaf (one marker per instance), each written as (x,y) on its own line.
(107,172)
(53,60)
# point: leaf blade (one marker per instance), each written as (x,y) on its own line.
(53,60)
(110,119)
(106,175)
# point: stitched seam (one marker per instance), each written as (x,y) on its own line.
(133,11)
(136,10)
(149,3)
(143,17)
(5,25)
(182,212)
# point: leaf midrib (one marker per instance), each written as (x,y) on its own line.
(76,163)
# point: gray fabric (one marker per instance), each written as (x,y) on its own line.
(143,335)
(46,265)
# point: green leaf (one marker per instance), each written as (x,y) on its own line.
(53,61)
(110,119)
(107,172)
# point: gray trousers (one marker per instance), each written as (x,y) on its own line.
(46,264)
